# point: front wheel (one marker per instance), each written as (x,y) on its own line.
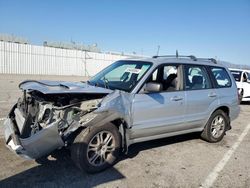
(216,127)
(96,148)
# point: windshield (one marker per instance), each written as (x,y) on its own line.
(122,75)
(236,75)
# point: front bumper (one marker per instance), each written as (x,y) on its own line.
(35,146)
(246,99)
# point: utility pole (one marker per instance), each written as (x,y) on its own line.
(85,64)
(158,50)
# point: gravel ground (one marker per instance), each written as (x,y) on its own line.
(181,161)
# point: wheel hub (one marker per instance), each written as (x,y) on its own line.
(218,126)
(100,147)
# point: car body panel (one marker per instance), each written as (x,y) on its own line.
(61,87)
(40,144)
(199,104)
(164,115)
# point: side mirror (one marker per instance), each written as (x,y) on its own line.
(153,87)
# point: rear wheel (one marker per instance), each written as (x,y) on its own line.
(96,148)
(216,127)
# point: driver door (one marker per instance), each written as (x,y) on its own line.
(156,113)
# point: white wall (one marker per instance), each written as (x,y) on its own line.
(30,59)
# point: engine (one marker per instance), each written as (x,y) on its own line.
(35,111)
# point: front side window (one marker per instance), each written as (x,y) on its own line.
(196,77)
(221,77)
(122,75)
(167,77)
(171,78)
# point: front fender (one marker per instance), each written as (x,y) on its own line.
(116,105)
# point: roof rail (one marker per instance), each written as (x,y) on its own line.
(177,56)
(208,59)
(192,57)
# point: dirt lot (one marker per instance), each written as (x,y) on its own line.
(182,161)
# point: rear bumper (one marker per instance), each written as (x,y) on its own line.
(35,146)
(245,99)
(234,112)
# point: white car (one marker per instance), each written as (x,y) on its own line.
(242,78)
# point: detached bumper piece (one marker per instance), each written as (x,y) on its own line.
(35,146)
(12,140)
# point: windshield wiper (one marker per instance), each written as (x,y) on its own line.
(89,83)
(106,82)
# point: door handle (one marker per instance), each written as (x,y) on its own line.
(176,98)
(212,95)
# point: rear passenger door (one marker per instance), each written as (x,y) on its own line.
(200,96)
(227,95)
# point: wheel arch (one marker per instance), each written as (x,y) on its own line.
(122,126)
(224,109)
(120,123)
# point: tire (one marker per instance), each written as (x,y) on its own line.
(96,148)
(214,132)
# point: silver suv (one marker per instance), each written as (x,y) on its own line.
(128,102)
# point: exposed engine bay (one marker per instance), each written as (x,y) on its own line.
(35,111)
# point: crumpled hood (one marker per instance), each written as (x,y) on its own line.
(60,87)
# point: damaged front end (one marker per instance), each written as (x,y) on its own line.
(42,122)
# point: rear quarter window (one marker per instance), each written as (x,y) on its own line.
(221,77)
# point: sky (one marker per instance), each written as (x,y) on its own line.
(204,28)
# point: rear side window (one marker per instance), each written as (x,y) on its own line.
(221,77)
